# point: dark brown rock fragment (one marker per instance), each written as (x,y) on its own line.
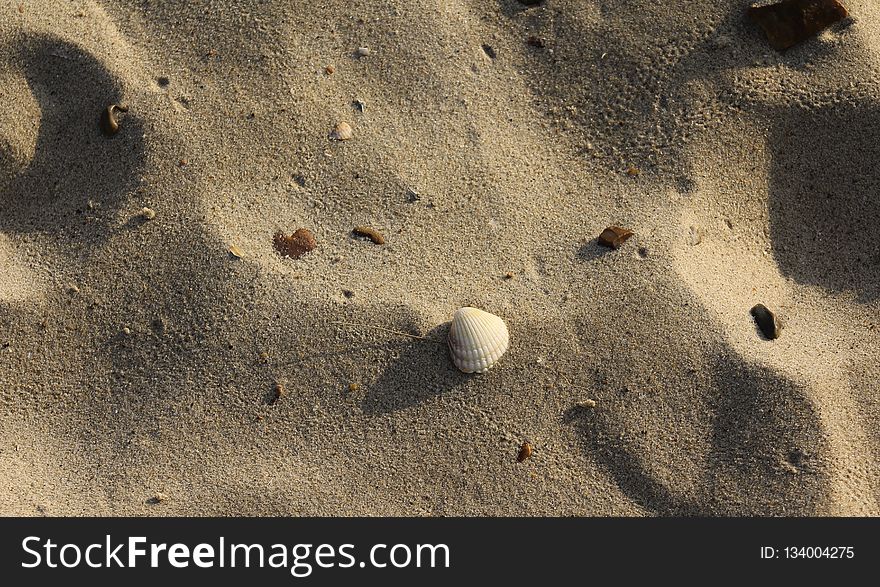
(614,236)
(790,22)
(296,245)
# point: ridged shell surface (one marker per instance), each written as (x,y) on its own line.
(477,339)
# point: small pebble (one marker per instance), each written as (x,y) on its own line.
(524,452)
(235,252)
(694,236)
(363,51)
(508,275)
(371,233)
(614,236)
(296,245)
(126,331)
(632,171)
(278,392)
(587,404)
(767,321)
(329,69)
(148,213)
(72,288)
(352,387)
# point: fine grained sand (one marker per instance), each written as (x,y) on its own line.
(139,358)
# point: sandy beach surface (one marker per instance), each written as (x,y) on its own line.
(491,144)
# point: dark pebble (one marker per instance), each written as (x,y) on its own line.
(766,321)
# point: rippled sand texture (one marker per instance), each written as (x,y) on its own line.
(139,358)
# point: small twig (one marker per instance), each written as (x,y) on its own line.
(398,332)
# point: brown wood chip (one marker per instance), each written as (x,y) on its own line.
(370,233)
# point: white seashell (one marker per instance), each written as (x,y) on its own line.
(477,339)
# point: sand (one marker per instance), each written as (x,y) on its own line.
(139,358)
